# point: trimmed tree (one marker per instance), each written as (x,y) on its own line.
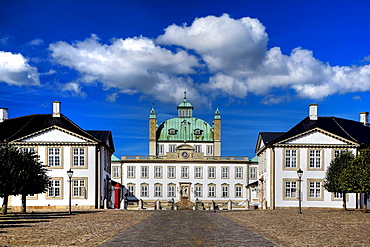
(332,182)
(21,173)
(33,177)
(356,177)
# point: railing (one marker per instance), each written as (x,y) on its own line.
(153,157)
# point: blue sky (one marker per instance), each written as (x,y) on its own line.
(262,62)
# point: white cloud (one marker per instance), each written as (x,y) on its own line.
(15,70)
(36,42)
(131,65)
(231,53)
(73,89)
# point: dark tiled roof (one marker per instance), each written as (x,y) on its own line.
(268,137)
(348,129)
(104,136)
(15,128)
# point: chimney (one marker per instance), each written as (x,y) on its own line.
(56,109)
(313,111)
(364,118)
(3,114)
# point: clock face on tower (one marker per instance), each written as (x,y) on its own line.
(184,154)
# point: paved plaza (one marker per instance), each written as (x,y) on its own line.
(187,228)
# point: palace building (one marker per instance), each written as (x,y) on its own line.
(184,164)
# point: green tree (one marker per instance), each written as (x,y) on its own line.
(32,177)
(332,182)
(21,173)
(356,177)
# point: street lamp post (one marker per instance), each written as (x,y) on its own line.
(299,173)
(70,174)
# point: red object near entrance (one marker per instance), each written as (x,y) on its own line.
(117,195)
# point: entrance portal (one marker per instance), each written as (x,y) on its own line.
(184,193)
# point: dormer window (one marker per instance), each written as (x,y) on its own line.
(172,131)
(198,132)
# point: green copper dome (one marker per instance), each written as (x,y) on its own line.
(185,129)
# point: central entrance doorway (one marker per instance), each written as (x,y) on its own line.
(185,193)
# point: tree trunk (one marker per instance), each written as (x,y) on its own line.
(365,202)
(24,207)
(5,204)
(344,202)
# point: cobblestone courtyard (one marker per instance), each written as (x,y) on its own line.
(315,227)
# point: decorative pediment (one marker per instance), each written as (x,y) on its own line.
(317,137)
(54,134)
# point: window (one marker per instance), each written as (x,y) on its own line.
(314,189)
(238,190)
(198,190)
(225,190)
(209,149)
(116,173)
(315,158)
(171,190)
(337,195)
(198,172)
(225,172)
(238,172)
(211,190)
(290,158)
(157,190)
(198,149)
(79,188)
(338,152)
(158,172)
(184,172)
(144,172)
(198,132)
(130,172)
(29,150)
(211,172)
(54,189)
(144,190)
(130,189)
(171,172)
(54,157)
(78,157)
(172,149)
(160,149)
(172,131)
(290,189)
(253,173)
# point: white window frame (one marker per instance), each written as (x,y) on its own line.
(79,188)
(171,190)
(54,157)
(171,172)
(172,148)
(144,172)
(315,159)
(225,171)
(184,172)
(198,149)
(290,189)
(224,190)
(158,190)
(79,157)
(290,158)
(198,172)
(253,173)
(131,172)
(211,172)
(130,189)
(144,190)
(157,172)
(211,190)
(160,149)
(198,190)
(238,191)
(238,172)
(55,188)
(209,150)
(315,190)
(116,171)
